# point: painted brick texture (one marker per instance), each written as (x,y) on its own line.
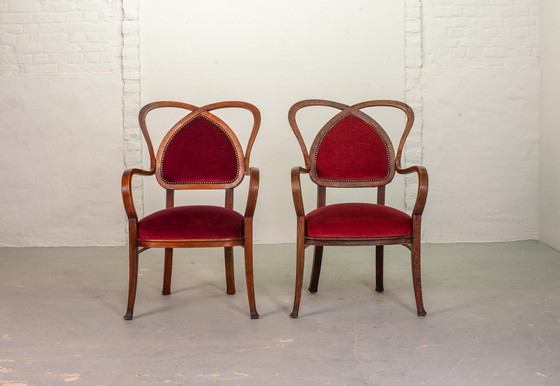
(131,95)
(481,110)
(484,33)
(413,94)
(52,37)
(59,37)
(453,48)
(61,101)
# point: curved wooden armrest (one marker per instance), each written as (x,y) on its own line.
(126,190)
(422,187)
(296,190)
(254,174)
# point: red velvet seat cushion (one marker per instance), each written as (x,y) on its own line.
(357,220)
(191,222)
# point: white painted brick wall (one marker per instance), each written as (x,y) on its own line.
(59,37)
(65,37)
(484,33)
(61,90)
(413,94)
(131,95)
(480,89)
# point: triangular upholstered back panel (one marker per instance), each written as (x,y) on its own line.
(352,148)
(201,150)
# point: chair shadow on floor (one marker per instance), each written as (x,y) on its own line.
(177,299)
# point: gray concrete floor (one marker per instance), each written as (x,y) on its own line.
(493,319)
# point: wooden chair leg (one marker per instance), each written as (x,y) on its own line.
(316,270)
(300,260)
(379,268)
(132,279)
(230,278)
(415,257)
(249,273)
(167,269)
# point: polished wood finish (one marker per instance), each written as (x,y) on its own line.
(379,248)
(248,224)
(228,252)
(411,241)
(316,270)
(133,269)
(168,263)
(167,271)
(155,164)
(318,249)
(379,268)
(230,276)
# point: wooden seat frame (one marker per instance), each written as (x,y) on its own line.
(411,241)
(246,241)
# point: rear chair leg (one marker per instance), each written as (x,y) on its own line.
(316,270)
(167,269)
(230,278)
(379,268)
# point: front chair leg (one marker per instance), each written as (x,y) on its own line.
(415,257)
(230,278)
(167,269)
(379,268)
(300,260)
(132,279)
(316,270)
(249,272)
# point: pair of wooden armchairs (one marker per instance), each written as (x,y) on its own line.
(202,152)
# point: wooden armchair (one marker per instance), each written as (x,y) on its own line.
(352,150)
(199,152)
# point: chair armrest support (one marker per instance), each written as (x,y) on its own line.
(126,190)
(422,194)
(296,190)
(253,192)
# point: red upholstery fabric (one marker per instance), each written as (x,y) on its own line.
(357,220)
(191,222)
(199,152)
(352,150)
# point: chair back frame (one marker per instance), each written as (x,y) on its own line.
(243,158)
(346,110)
(182,124)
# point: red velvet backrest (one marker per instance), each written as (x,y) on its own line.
(200,152)
(352,150)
